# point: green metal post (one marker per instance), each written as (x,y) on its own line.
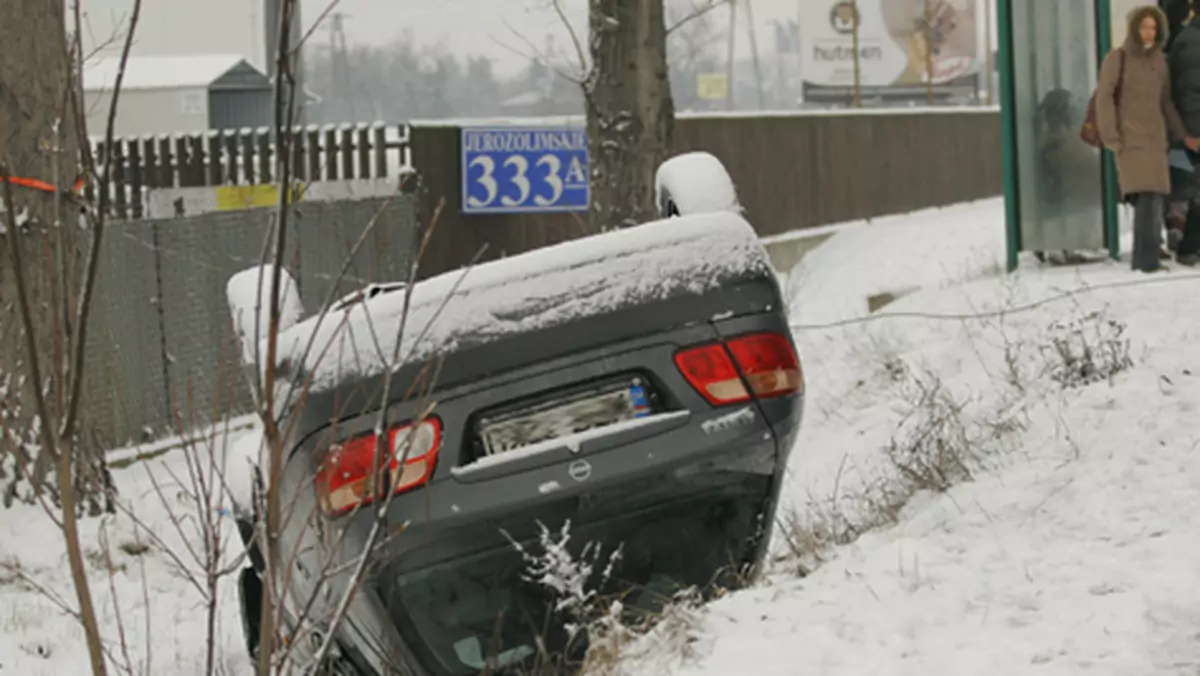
(1008,133)
(1108,169)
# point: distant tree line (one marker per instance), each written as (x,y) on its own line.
(403,80)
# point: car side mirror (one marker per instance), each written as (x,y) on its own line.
(694,183)
(248,294)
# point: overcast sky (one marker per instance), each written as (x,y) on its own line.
(500,29)
(482,26)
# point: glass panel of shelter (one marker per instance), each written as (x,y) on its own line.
(1061,203)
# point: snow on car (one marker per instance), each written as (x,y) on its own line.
(694,183)
(641,386)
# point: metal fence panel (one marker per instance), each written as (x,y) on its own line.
(162,345)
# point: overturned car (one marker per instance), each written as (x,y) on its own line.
(640,385)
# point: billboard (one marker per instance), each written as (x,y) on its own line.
(893,43)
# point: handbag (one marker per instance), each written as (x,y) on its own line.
(1090,133)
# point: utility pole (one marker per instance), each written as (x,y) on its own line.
(340,87)
(857,62)
(754,54)
(928,53)
(783,46)
(730,56)
(987,41)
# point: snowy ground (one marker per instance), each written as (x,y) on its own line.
(154,602)
(1070,548)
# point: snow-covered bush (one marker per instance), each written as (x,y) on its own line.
(610,628)
(572,580)
(1086,349)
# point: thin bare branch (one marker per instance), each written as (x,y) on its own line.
(537,56)
(696,13)
(58,601)
(184,571)
(285,85)
(47,507)
(93,266)
(331,296)
(574,35)
(313,28)
(122,640)
(87,610)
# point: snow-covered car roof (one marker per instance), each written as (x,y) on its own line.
(536,290)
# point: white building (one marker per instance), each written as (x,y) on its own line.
(182,27)
(176,94)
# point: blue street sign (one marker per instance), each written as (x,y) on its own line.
(511,170)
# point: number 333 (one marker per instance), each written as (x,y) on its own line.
(520,166)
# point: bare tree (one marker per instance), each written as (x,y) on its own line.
(692,39)
(43,141)
(34,70)
(630,109)
(42,149)
(34,76)
(624,73)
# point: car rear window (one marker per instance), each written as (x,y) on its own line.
(459,613)
(456,613)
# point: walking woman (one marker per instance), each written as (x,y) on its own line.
(1135,118)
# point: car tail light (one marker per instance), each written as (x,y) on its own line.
(720,371)
(348,476)
(769,363)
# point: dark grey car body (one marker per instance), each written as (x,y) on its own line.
(690,493)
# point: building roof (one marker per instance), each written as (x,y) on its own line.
(160,72)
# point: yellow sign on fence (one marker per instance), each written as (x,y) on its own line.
(712,86)
(235,197)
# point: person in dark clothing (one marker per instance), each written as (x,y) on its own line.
(1184,62)
(1182,182)
(1178,12)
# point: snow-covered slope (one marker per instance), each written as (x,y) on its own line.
(1072,546)
(1070,549)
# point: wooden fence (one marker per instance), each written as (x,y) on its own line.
(246,157)
(792,171)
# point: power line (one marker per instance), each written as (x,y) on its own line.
(992,314)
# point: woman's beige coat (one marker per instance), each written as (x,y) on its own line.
(1138,130)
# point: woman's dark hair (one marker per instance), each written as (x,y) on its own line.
(1177,11)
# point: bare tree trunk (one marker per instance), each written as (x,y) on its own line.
(41,129)
(39,139)
(630,112)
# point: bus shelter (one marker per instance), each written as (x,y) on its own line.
(1060,194)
